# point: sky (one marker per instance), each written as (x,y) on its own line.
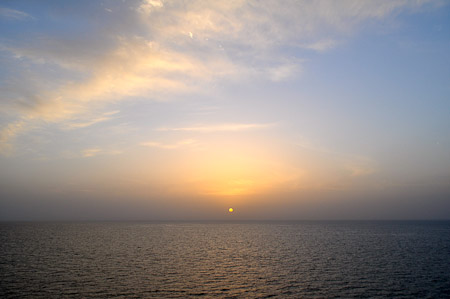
(179,110)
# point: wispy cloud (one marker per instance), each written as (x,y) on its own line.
(9,132)
(168,47)
(89,123)
(283,72)
(13,14)
(112,112)
(220,128)
(91,152)
(321,45)
(176,145)
(354,165)
(106,116)
(361,166)
(148,6)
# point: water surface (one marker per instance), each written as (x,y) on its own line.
(281,259)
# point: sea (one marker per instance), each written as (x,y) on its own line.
(292,259)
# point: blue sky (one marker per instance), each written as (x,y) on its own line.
(172,110)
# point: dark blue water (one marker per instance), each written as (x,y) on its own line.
(281,259)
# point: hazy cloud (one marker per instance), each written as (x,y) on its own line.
(9,132)
(219,128)
(91,152)
(168,47)
(322,45)
(361,166)
(105,117)
(168,146)
(13,14)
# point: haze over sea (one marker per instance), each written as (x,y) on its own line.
(225,259)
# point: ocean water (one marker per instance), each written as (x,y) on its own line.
(243,260)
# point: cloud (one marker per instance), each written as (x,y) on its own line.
(322,45)
(169,146)
(106,116)
(351,165)
(148,6)
(13,14)
(263,26)
(283,72)
(9,132)
(220,128)
(164,48)
(89,123)
(91,152)
(361,166)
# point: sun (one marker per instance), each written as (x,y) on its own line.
(230,210)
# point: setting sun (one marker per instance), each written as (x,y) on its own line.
(230,210)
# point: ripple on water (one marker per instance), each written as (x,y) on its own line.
(291,259)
